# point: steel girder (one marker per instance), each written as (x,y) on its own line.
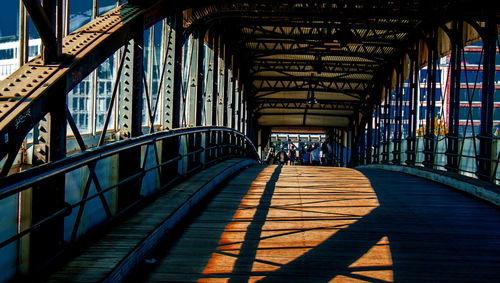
(302,104)
(286,41)
(26,95)
(333,85)
(307,66)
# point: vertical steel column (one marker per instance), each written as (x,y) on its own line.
(49,197)
(244,112)
(454,99)
(169,45)
(175,144)
(431,100)
(379,133)
(177,76)
(216,72)
(396,152)
(227,62)
(355,140)
(47,241)
(214,44)
(53,9)
(130,113)
(387,123)
(197,140)
(412,107)
(361,147)
(200,103)
(233,96)
(172,96)
(490,37)
(369,140)
(348,148)
(375,135)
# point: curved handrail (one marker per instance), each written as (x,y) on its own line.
(21,181)
(17,182)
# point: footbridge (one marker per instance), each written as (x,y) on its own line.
(151,141)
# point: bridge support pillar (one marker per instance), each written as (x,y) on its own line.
(398,112)
(369,139)
(490,37)
(413,108)
(454,99)
(431,100)
(387,126)
(214,37)
(130,120)
(376,147)
(48,197)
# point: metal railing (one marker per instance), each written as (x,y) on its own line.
(189,150)
(468,155)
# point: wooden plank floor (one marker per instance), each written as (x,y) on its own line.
(320,224)
(124,239)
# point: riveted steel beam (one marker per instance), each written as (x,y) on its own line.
(130,119)
(303,103)
(490,38)
(25,95)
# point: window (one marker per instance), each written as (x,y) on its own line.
(6,54)
(464,113)
(34,50)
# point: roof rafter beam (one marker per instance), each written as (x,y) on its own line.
(309,65)
(376,55)
(302,104)
(309,79)
(354,94)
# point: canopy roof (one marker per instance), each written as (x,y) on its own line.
(323,63)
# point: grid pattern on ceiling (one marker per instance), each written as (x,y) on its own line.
(309,47)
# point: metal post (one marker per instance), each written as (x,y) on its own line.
(387,121)
(369,139)
(376,154)
(49,197)
(234,110)
(454,98)
(216,77)
(431,100)
(227,62)
(53,9)
(177,76)
(361,147)
(396,153)
(200,103)
(130,113)
(484,170)
(413,107)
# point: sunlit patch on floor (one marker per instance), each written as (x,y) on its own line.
(283,218)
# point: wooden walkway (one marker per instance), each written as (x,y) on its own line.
(124,245)
(320,224)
